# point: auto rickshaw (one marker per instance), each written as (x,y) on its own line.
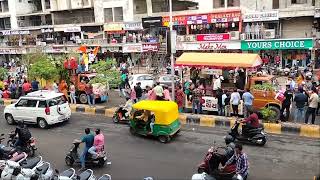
(162,115)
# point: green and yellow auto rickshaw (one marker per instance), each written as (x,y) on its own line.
(155,118)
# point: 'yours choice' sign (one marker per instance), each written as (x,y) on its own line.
(277,44)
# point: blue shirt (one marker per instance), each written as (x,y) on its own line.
(242,164)
(35,85)
(88,139)
(247,98)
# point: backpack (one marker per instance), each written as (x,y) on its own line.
(25,134)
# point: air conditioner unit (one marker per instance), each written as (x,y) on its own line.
(269,33)
(243,36)
(234,35)
(180,38)
(190,38)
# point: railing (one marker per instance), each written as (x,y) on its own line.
(74,20)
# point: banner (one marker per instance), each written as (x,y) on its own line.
(277,44)
(213,37)
(131,48)
(261,16)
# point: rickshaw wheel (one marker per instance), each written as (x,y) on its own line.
(164,139)
(132,131)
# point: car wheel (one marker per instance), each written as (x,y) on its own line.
(132,131)
(83,98)
(9,119)
(69,161)
(42,123)
(277,111)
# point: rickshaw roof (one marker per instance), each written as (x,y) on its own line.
(156,106)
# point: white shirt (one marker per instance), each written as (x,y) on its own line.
(91,57)
(55,87)
(235,98)
(217,84)
(158,90)
(224,97)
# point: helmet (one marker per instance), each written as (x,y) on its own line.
(228,139)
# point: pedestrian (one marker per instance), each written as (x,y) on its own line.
(26,87)
(220,103)
(133,95)
(13,89)
(63,88)
(72,90)
(166,93)
(187,90)
(89,93)
(196,100)
(248,101)
(235,101)
(55,86)
(138,91)
(313,105)
(286,103)
(35,85)
(223,99)
(151,94)
(179,98)
(300,98)
(159,91)
(227,110)
(1,84)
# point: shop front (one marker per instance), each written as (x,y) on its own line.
(7,54)
(218,46)
(154,31)
(18,37)
(207,24)
(133,32)
(114,32)
(67,34)
(286,52)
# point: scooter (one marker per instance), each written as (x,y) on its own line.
(256,136)
(30,147)
(68,174)
(105,177)
(13,169)
(74,157)
(86,175)
(120,116)
(205,176)
(43,172)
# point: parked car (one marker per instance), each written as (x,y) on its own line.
(42,107)
(167,80)
(144,79)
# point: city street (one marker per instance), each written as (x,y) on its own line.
(283,157)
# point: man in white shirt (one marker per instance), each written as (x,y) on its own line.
(159,91)
(235,101)
(91,57)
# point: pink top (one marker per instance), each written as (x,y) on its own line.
(166,94)
(98,142)
(152,95)
(133,94)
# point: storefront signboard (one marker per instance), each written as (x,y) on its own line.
(150,47)
(113,27)
(132,26)
(72,29)
(13,51)
(261,16)
(213,37)
(277,44)
(131,48)
(211,71)
(14,32)
(151,22)
(48,30)
(204,46)
(203,18)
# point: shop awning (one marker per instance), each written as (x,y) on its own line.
(219,60)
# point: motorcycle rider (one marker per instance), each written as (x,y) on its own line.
(127,108)
(242,164)
(252,122)
(23,134)
(88,139)
(98,144)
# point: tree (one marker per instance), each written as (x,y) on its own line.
(107,73)
(44,69)
(3,73)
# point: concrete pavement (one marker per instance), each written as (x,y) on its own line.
(285,157)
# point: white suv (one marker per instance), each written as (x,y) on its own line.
(40,107)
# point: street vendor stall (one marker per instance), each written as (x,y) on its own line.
(219,64)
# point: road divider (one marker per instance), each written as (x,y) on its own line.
(305,130)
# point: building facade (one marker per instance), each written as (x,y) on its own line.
(277,29)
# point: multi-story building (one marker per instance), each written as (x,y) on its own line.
(277,29)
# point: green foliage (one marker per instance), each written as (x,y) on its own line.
(43,69)
(3,73)
(107,73)
(264,86)
(268,114)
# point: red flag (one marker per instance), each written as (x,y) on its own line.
(83,48)
(96,50)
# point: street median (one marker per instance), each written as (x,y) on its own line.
(304,130)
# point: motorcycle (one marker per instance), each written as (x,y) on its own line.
(256,136)
(68,174)
(120,116)
(204,176)
(74,157)
(86,175)
(105,177)
(43,172)
(13,169)
(30,147)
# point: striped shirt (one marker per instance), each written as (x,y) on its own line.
(241,162)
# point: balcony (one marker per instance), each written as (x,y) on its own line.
(32,21)
(74,17)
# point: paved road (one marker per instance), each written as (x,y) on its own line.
(284,157)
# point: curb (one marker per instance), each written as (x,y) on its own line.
(312,131)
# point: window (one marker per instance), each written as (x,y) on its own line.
(222,3)
(108,15)
(118,14)
(4,6)
(47,4)
(141,78)
(22,103)
(148,78)
(27,103)
(42,104)
(140,6)
(298,1)
(275,4)
(57,101)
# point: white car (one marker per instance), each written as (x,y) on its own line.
(42,107)
(144,79)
